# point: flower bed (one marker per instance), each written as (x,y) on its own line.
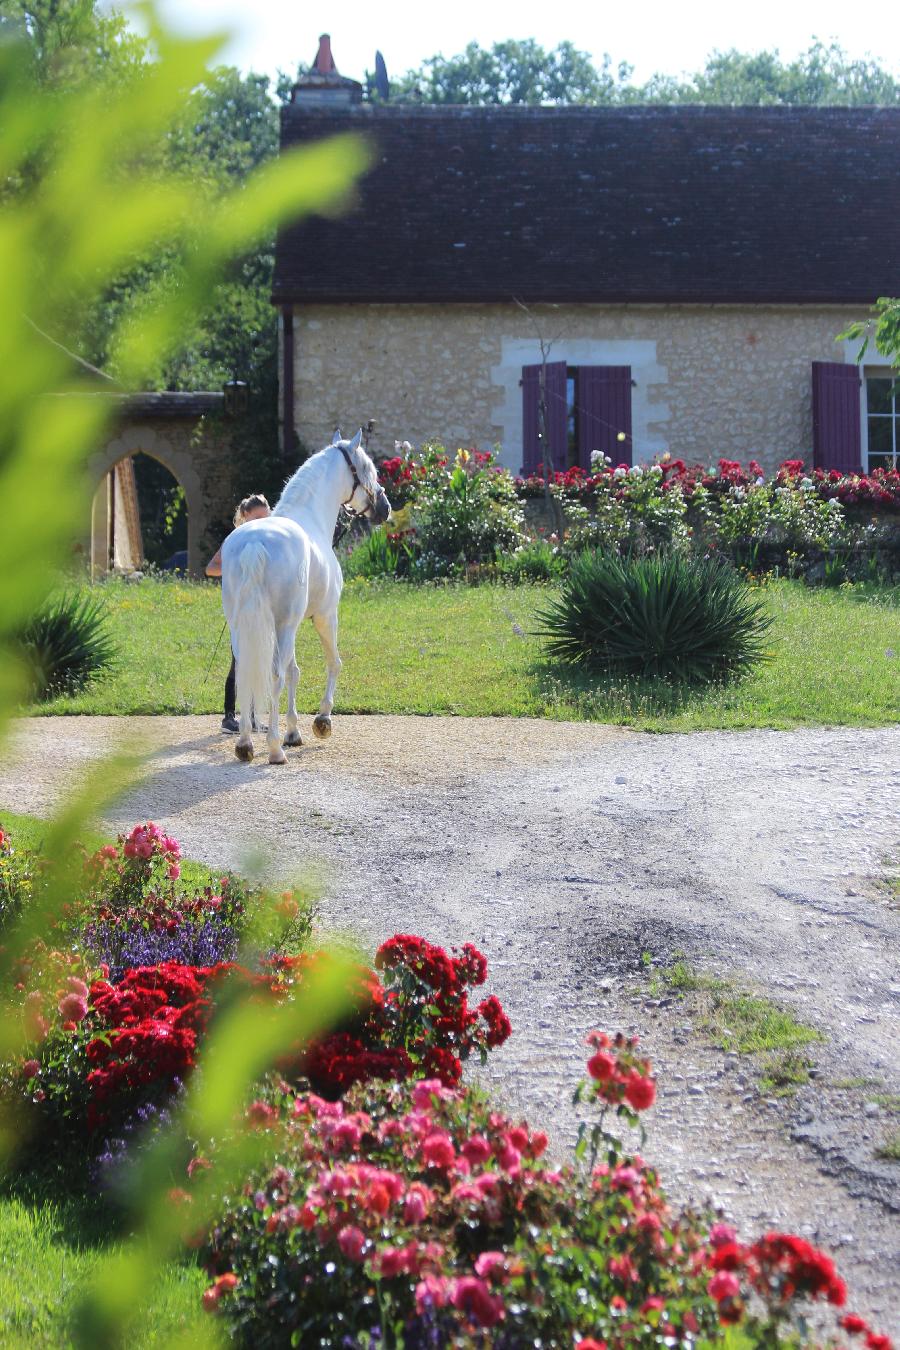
(823,523)
(419,1215)
(395,1205)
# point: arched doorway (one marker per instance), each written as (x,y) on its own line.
(139,516)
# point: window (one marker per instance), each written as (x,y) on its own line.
(882,422)
(587,408)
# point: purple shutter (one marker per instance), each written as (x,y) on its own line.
(604,411)
(837,442)
(531,388)
(555,389)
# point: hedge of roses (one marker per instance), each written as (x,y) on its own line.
(843,524)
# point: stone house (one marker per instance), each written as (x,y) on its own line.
(686,268)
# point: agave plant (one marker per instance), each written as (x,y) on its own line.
(66,644)
(666,616)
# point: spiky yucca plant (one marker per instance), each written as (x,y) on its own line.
(667,616)
(66,644)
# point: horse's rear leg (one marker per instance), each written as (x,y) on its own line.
(293,730)
(326,627)
(285,640)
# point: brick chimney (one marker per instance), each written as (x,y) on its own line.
(323,84)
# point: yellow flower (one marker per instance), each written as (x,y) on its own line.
(620,436)
(463,457)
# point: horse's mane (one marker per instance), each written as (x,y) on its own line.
(303,483)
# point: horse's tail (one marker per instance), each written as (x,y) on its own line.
(253,633)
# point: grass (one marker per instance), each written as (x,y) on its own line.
(890,1149)
(749,1024)
(472,651)
(49,1251)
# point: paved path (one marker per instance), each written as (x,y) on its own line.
(574,854)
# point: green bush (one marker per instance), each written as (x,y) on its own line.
(536,561)
(380,554)
(66,644)
(466,511)
(669,616)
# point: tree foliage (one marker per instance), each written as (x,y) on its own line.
(524,72)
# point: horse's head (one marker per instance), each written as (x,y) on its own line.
(367,496)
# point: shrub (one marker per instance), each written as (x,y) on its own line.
(418,1215)
(66,644)
(466,511)
(535,561)
(382,553)
(669,616)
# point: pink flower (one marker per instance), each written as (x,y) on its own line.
(76,986)
(432,1291)
(174,871)
(418,1202)
(477,1149)
(352,1242)
(509,1158)
(473,1297)
(489,1264)
(437,1149)
(724,1284)
(73,1008)
(425,1091)
(721,1233)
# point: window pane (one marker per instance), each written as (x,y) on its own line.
(880,462)
(878,394)
(880,437)
(571,420)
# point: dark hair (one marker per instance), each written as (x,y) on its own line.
(250,504)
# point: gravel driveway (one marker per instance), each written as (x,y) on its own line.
(575,856)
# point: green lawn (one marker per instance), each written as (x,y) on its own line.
(472,651)
(49,1251)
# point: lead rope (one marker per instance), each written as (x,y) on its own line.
(214,655)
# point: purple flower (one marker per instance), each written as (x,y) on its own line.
(206,943)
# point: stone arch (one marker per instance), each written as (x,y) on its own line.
(143,438)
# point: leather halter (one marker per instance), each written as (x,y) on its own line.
(351,510)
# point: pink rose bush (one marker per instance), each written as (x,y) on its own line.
(417,1214)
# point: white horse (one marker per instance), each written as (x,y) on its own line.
(280,570)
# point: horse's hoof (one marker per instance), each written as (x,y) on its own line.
(244,751)
(278,756)
(322,727)
(292,738)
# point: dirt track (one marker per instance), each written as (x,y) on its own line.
(568,852)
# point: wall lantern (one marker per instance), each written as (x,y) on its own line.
(236,397)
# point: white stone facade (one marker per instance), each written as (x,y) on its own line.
(709,380)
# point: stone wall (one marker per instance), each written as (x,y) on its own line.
(198,454)
(710,380)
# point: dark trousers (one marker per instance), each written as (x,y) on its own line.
(229,690)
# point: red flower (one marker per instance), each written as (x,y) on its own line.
(640,1091)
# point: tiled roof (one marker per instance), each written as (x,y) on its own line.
(688,205)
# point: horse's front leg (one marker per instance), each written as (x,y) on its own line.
(326,627)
